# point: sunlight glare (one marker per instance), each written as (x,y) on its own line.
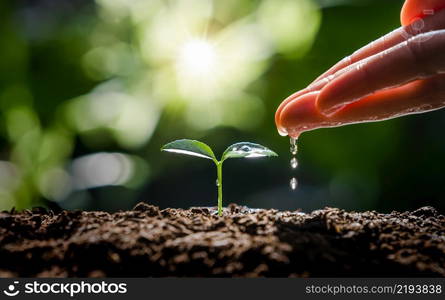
(197,57)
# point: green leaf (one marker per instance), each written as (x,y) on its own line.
(247,150)
(190,147)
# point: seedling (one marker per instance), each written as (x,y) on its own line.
(238,150)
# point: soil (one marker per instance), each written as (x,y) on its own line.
(147,241)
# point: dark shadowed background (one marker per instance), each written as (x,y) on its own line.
(90,91)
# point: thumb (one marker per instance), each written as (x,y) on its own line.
(413,9)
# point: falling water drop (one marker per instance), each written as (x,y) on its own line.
(293,146)
(293,183)
(294,163)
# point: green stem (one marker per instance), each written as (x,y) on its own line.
(219,171)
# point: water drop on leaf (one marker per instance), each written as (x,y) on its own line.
(247,150)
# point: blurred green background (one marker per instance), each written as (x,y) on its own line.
(90,90)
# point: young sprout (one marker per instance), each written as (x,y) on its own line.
(238,150)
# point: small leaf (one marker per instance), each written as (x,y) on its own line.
(190,147)
(247,150)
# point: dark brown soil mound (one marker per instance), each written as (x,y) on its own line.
(174,242)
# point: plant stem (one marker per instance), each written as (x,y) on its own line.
(219,171)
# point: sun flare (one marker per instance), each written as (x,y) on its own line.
(197,57)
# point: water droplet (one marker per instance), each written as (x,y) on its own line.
(282,131)
(293,146)
(293,183)
(294,163)
(217,182)
(245,148)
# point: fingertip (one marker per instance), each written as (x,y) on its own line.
(327,103)
(348,87)
(414,9)
(277,119)
(300,114)
(405,13)
(281,130)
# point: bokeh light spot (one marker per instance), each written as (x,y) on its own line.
(197,57)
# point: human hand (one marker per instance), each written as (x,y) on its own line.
(401,73)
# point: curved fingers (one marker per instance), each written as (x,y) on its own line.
(420,57)
(419,96)
(429,23)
